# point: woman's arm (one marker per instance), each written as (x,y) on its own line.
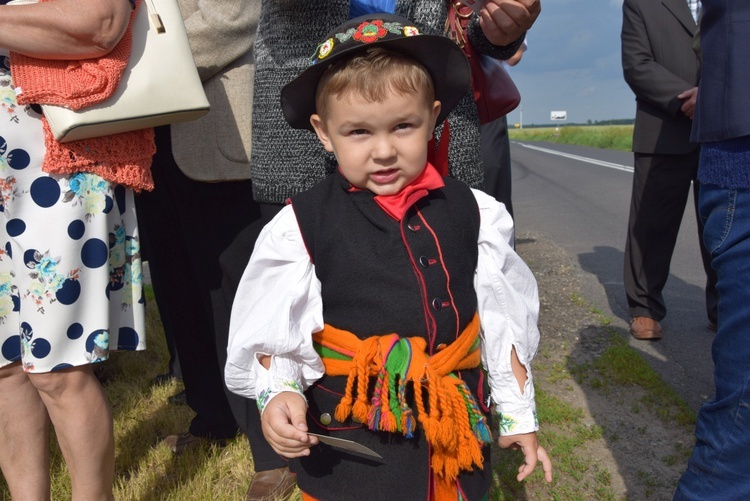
(64,29)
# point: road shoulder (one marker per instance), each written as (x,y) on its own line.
(613,428)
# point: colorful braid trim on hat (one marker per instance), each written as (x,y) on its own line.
(453,424)
(367,32)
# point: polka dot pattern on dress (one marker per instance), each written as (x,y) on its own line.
(70,266)
(45,192)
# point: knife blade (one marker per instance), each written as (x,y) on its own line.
(348,445)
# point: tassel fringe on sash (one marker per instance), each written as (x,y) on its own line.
(452,422)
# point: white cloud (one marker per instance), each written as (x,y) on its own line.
(588,91)
(574,64)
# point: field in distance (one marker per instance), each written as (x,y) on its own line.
(611,137)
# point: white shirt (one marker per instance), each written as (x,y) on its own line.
(278,306)
(695,8)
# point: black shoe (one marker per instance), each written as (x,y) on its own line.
(178,398)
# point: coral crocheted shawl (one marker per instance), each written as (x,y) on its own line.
(120,158)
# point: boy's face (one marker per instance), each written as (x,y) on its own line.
(380,146)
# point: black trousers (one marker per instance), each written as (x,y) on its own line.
(496,161)
(188,227)
(661,184)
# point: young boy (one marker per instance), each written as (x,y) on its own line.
(359,313)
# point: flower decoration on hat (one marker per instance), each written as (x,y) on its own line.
(411,31)
(369,32)
(325,48)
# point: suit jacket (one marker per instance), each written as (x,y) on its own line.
(659,63)
(216,147)
(723,110)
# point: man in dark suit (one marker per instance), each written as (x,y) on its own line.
(662,69)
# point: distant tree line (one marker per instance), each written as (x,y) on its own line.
(614,121)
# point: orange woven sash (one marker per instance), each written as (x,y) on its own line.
(453,425)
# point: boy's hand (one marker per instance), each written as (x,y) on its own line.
(532,452)
(503,21)
(285,427)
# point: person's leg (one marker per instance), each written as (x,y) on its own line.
(719,467)
(233,261)
(496,162)
(712,296)
(661,184)
(24,435)
(80,413)
(272,478)
(152,218)
(179,221)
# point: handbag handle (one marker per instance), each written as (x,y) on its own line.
(458,19)
(154,16)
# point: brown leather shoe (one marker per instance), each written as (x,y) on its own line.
(645,329)
(186,441)
(272,485)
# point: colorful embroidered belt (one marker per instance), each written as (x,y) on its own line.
(452,422)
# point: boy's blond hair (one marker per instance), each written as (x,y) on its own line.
(372,75)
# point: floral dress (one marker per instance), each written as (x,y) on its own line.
(70,267)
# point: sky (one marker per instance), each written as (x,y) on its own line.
(573,64)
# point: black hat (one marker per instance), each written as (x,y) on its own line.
(445,62)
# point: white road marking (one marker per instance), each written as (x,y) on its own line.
(594,161)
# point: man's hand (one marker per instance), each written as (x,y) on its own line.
(503,21)
(285,427)
(689,98)
(532,453)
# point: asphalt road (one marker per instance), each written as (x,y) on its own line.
(580,197)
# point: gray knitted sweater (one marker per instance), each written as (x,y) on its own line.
(286,161)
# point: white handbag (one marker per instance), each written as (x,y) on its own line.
(160,84)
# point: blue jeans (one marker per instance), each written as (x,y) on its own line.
(719,468)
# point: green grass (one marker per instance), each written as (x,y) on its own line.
(611,137)
(622,365)
(564,435)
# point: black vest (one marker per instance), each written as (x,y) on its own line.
(378,276)
(415,278)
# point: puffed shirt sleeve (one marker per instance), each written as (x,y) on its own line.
(508,303)
(277,308)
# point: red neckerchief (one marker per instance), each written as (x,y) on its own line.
(397,205)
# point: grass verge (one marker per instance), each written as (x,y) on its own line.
(612,137)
